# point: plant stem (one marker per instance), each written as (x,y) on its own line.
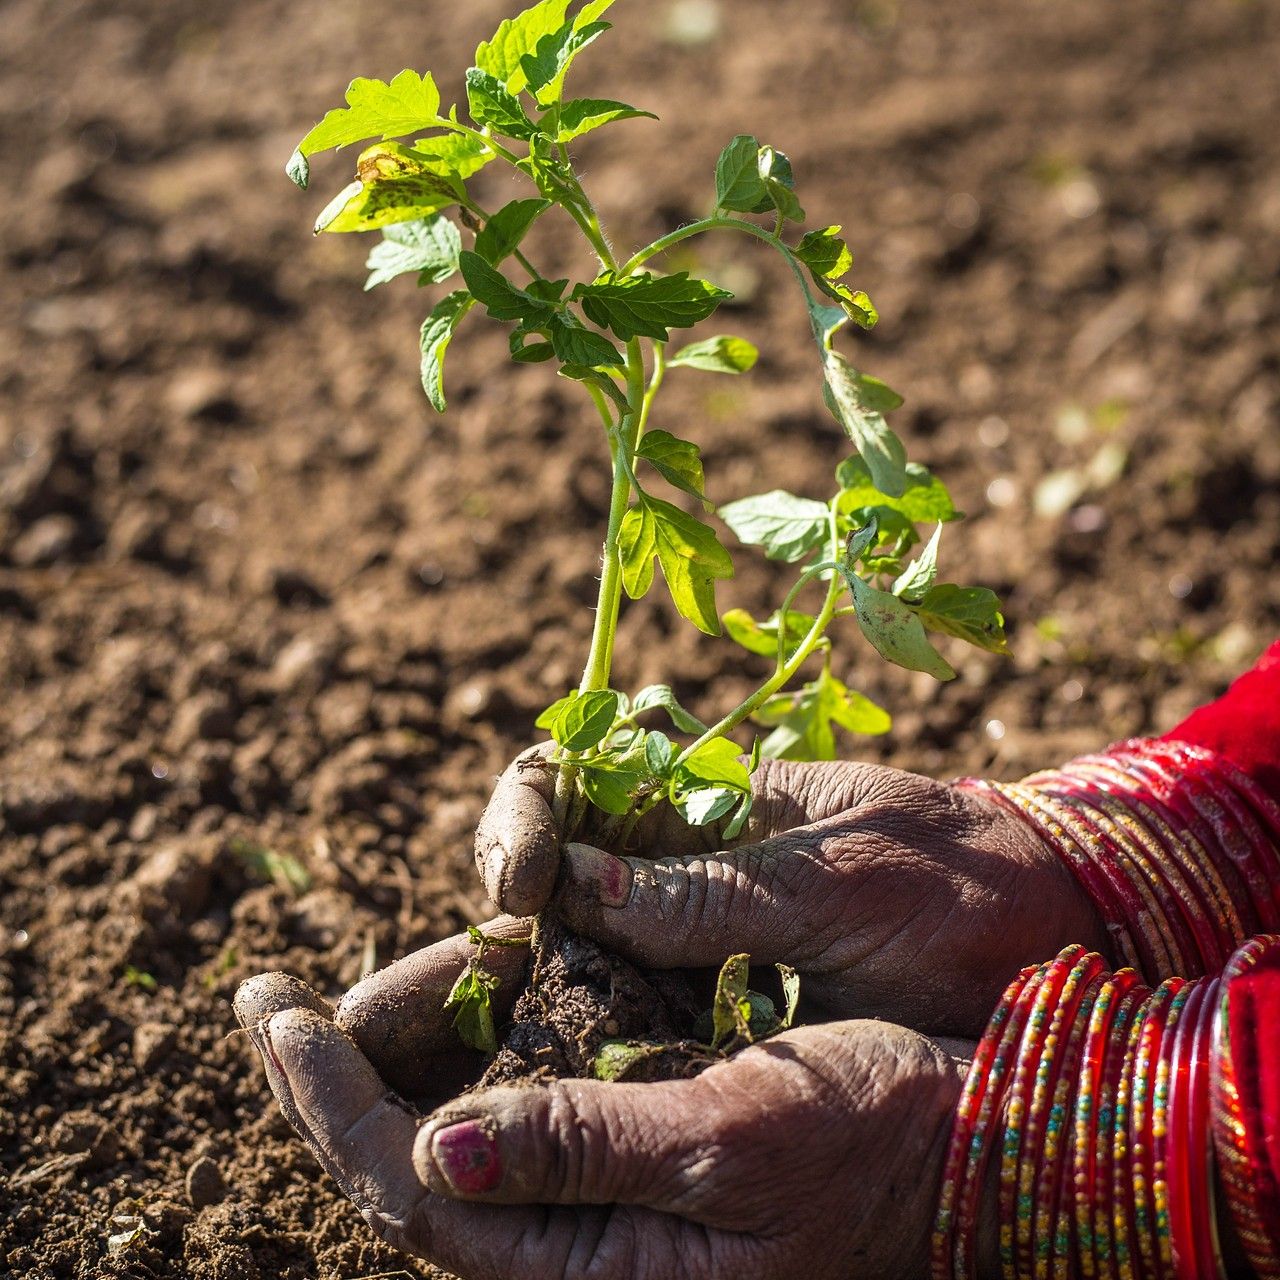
(784,671)
(718,222)
(622,447)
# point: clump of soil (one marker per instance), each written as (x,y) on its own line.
(581,997)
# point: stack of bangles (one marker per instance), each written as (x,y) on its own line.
(1115,1109)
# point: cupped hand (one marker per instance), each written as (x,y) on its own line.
(817,1153)
(894,895)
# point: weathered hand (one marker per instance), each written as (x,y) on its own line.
(817,1153)
(894,895)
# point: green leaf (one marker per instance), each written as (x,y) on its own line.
(584,114)
(737,824)
(590,12)
(616,1059)
(707,804)
(583,720)
(504,231)
(392,186)
(739,185)
(491,106)
(924,500)
(894,630)
(374,109)
(921,574)
(679,462)
(437,332)
(609,789)
(499,296)
(779,184)
(853,398)
(429,246)
(471,998)
(790,993)
(804,719)
(646,306)
(787,527)
(546,67)
(858,307)
(762,637)
(500,56)
(968,613)
(451,154)
(659,753)
(825,254)
(716,763)
(717,355)
(731,1010)
(553,713)
(688,551)
(661,695)
(575,345)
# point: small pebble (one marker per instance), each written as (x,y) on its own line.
(205,1183)
(152,1044)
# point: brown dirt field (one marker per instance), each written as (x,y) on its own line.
(253,590)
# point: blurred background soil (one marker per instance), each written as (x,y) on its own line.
(269,627)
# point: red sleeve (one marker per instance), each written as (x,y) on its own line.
(1244,724)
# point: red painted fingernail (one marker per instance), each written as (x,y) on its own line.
(600,874)
(468,1157)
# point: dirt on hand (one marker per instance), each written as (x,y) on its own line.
(269,627)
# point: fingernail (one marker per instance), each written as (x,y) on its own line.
(468,1157)
(598,874)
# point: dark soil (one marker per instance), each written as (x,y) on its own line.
(255,597)
(580,997)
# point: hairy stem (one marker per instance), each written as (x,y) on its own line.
(784,670)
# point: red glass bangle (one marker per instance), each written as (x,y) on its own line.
(1176,789)
(1200,899)
(1152,1234)
(1099,1193)
(1182,835)
(1174,1176)
(1234,825)
(1252,1197)
(1053,1249)
(969,1150)
(1014,1197)
(1106,833)
(1202,1221)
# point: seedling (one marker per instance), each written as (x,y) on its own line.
(611,333)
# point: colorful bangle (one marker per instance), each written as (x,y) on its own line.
(1252,1197)
(1109,1104)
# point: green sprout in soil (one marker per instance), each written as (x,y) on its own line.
(611,333)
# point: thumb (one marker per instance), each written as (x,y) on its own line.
(765,898)
(517,839)
(572,1142)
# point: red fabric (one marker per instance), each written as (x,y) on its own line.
(1244,724)
(1254,1016)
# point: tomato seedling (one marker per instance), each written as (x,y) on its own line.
(611,333)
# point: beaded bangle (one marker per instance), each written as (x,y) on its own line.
(1252,1197)
(1016,1170)
(970,1148)
(1106,1241)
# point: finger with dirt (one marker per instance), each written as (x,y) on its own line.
(364,1137)
(397,1016)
